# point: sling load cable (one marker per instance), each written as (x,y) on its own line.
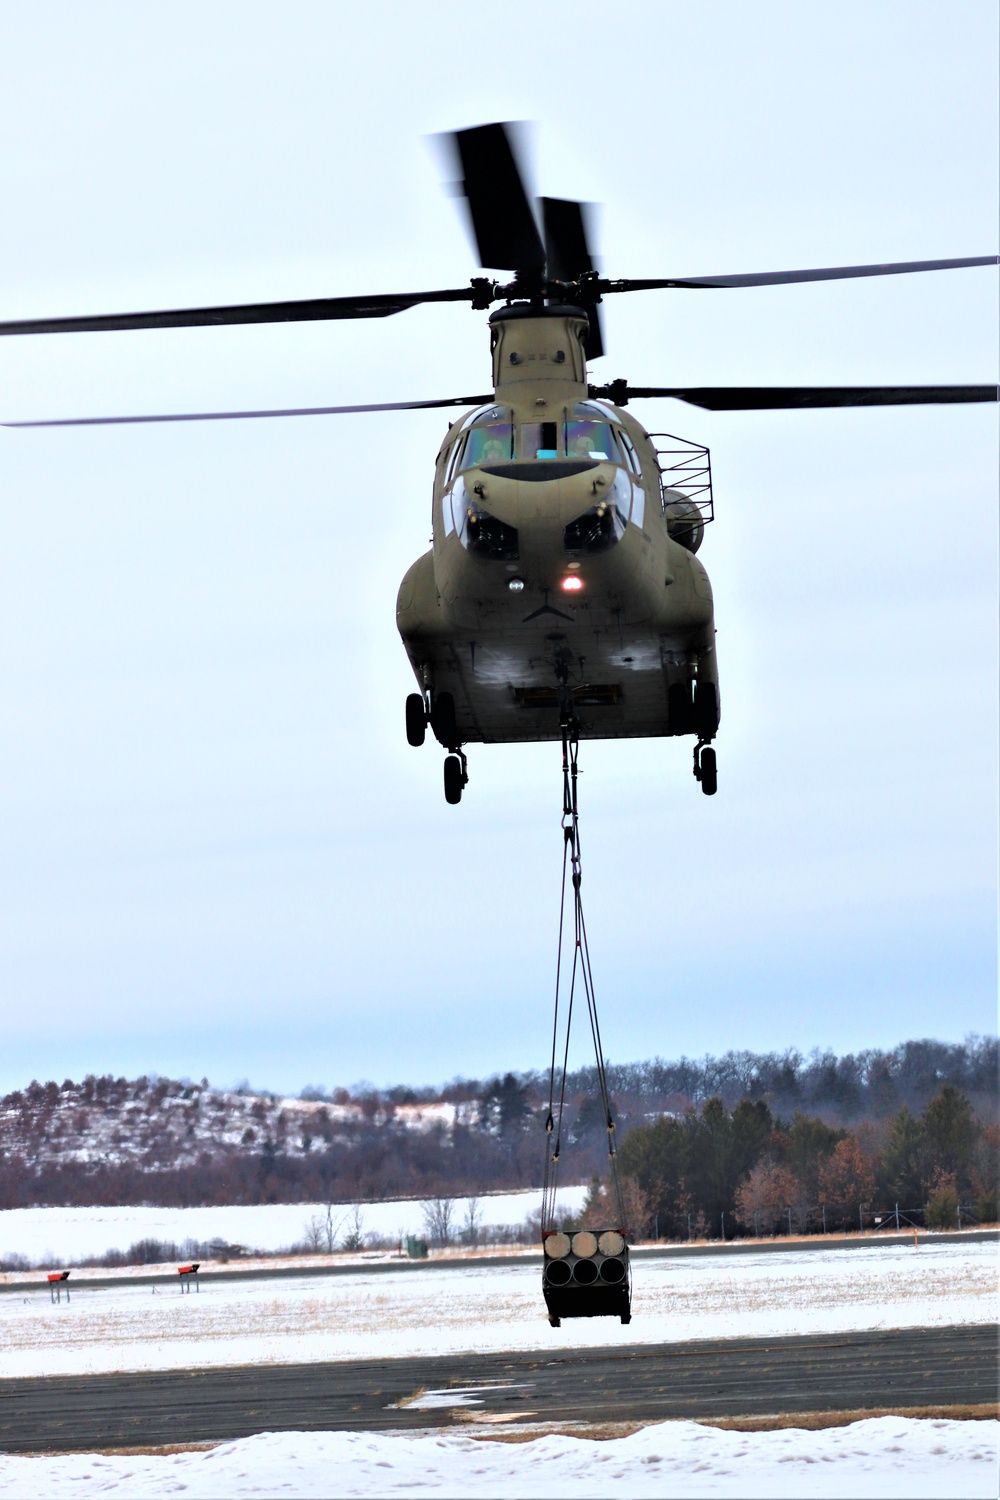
(581,965)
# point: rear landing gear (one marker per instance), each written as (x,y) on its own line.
(438,710)
(416,720)
(705,769)
(705,709)
(456,776)
(443,719)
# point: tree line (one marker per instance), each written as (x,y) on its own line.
(748,1136)
(749,1170)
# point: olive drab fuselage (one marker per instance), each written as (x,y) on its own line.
(553,577)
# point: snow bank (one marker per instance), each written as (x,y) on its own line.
(884,1457)
(466,1308)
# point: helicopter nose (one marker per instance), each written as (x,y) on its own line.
(540,493)
(563,498)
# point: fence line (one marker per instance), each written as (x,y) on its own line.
(812,1218)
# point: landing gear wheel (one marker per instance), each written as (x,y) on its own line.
(706,709)
(416,720)
(709,776)
(454,779)
(443,719)
(555,1322)
(679,708)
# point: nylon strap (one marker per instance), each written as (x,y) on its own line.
(580,972)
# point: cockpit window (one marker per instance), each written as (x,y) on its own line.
(590,411)
(630,453)
(590,440)
(483,414)
(539,440)
(488,443)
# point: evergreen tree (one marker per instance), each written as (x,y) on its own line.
(903,1161)
(950,1133)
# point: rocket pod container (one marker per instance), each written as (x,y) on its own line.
(586,1275)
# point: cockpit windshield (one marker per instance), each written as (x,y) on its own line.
(585,433)
(588,435)
(490,439)
(539,440)
(590,440)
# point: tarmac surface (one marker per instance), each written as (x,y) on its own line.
(897,1369)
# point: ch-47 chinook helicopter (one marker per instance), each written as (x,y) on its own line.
(562,591)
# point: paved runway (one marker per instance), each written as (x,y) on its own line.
(733,1377)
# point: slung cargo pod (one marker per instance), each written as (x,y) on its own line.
(586,1275)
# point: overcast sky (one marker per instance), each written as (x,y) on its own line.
(219,854)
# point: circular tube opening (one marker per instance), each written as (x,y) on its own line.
(613,1271)
(557,1273)
(585,1272)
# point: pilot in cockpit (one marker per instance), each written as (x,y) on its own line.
(494,451)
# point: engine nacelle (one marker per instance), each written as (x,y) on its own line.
(685,522)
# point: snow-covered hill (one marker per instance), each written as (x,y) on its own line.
(156,1123)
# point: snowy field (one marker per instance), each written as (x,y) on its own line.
(457,1310)
(73,1234)
(885,1457)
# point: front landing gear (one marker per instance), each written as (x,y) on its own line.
(705,769)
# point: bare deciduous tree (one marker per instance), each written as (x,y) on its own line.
(638,1209)
(473,1221)
(354,1239)
(314,1236)
(439,1220)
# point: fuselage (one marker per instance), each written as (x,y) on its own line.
(553,570)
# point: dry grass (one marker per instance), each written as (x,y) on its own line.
(806,1421)
(490,1418)
(414,1396)
(598,1432)
(141,1450)
(813,1421)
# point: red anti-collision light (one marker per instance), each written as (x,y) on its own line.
(573,584)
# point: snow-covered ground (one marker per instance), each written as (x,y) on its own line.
(72,1234)
(432,1310)
(885,1457)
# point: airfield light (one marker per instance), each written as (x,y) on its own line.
(572,584)
(515,585)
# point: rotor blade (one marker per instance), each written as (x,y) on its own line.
(502,221)
(315,309)
(783,278)
(230,416)
(567,252)
(595,333)
(568,257)
(788,397)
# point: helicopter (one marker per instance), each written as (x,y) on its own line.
(562,594)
